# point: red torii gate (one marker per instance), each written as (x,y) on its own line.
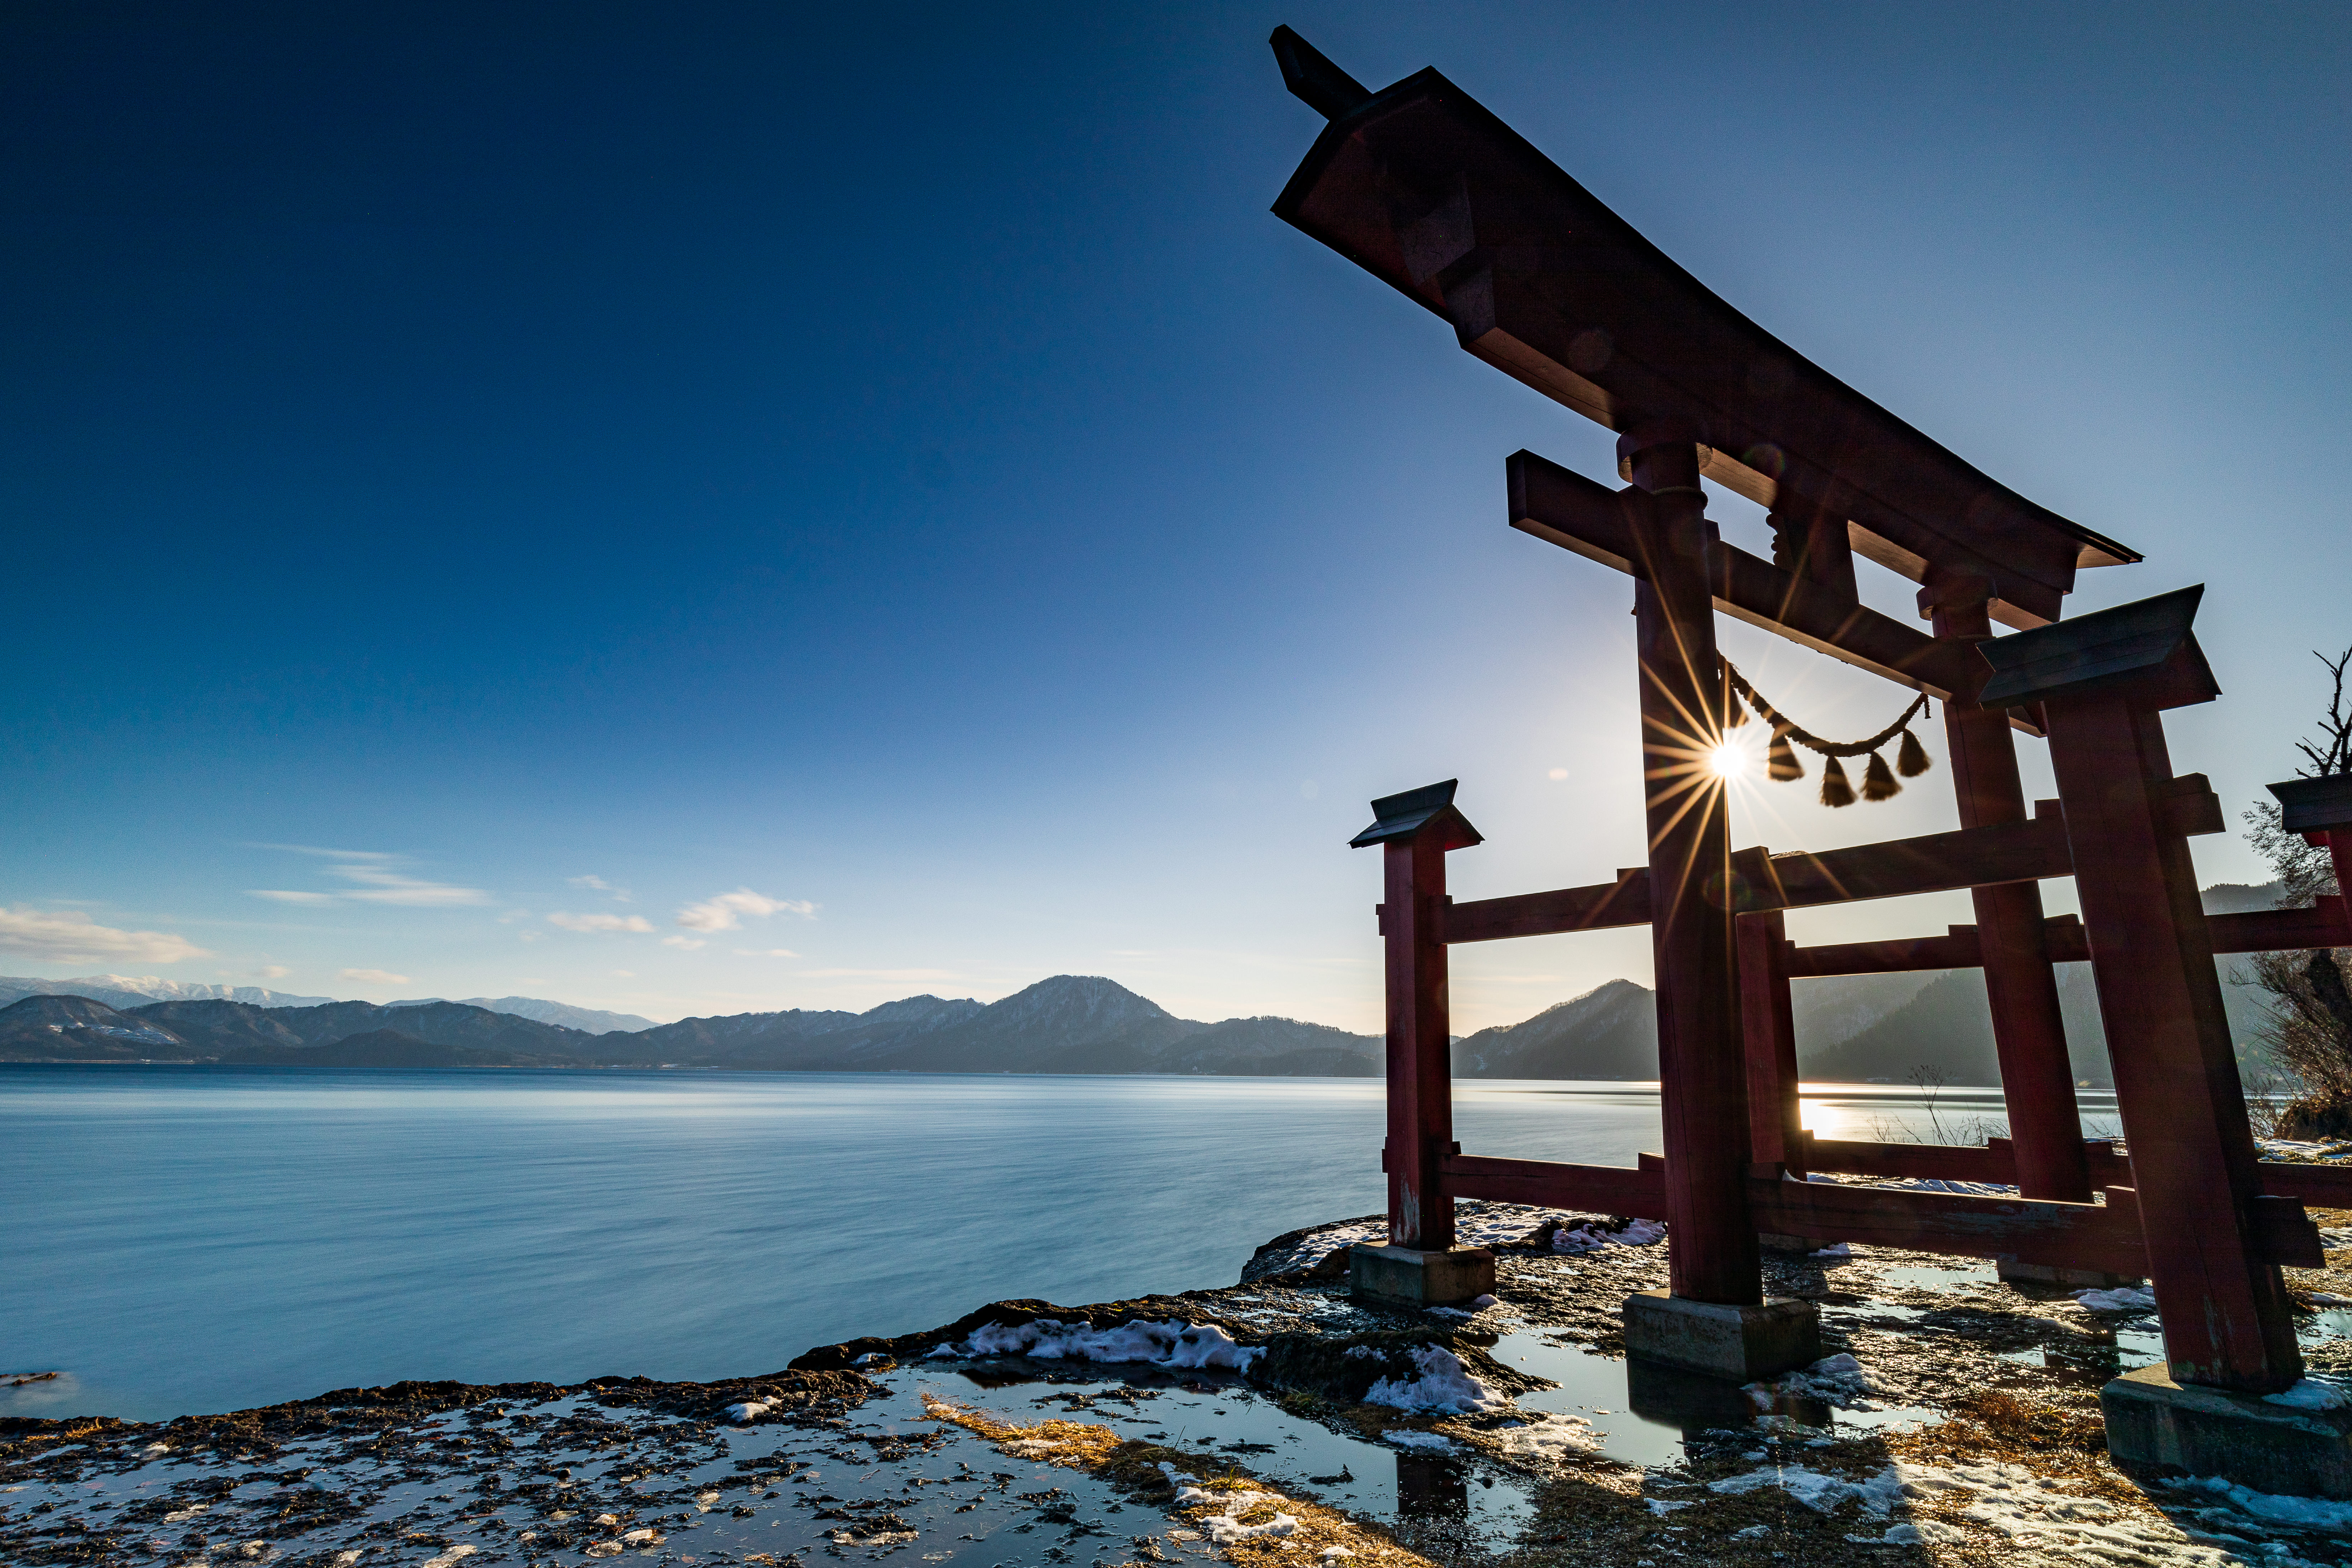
(1426,189)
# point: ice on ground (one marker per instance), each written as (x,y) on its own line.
(1593,1236)
(2124,1301)
(1425,1442)
(2299,1148)
(1838,1379)
(1550,1437)
(749,1410)
(1834,1249)
(450,1557)
(2306,1512)
(2310,1395)
(1661,1508)
(1480,1303)
(1441,1384)
(1225,1529)
(1822,1493)
(1169,1343)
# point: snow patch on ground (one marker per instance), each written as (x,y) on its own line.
(1425,1442)
(2045,1516)
(2303,1512)
(1821,1492)
(1169,1343)
(1550,1437)
(2310,1395)
(1840,1380)
(1226,1529)
(2126,1299)
(1593,1236)
(1441,1384)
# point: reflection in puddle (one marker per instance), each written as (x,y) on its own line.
(1445,1502)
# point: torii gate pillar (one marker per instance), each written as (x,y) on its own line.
(1714,1318)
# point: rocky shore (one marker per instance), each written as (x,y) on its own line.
(1276,1421)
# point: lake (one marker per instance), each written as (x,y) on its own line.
(179,1240)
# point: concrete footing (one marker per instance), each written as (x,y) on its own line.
(1742,1343)
(2073,1278)
(2157,1426)
(1406,1276)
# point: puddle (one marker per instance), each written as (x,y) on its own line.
(1653,1416)
(1444,1504)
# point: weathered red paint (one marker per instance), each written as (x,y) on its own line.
(2224,1308)
(2037,1079)
(1420,1054)
(1702,1068)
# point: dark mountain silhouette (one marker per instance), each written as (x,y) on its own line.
(229,1030)
(387,1048)
(1610,1032)
(42,1028)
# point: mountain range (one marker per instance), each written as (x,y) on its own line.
(1850,1028)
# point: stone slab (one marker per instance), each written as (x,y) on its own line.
(1409,1277)
(2156,1425)
(1741,1344)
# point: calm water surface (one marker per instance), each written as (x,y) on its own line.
(180,1239)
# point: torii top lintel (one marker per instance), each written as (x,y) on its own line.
(1423,187)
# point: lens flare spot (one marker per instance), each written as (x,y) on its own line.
(1727,761)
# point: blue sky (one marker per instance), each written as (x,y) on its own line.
(693,509)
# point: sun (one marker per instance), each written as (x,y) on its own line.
(1726,760)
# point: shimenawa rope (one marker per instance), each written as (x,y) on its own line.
(1780,762)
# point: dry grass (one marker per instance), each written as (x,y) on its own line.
(1134,1466)
(2054,1440)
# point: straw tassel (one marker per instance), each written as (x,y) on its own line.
(1911,757)
(1835,791)
(1780,762)
(1878,781)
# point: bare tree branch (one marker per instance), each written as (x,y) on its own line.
(2333,754)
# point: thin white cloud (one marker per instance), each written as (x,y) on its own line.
(761,951)
(599,922)
(272,972)
(72,936)
(377,977)
(684,944)
(530,935)
(598,883)
(726,911)
(378,883)
(378,886)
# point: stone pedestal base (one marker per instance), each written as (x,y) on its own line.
(1404,1277)
(2155,1425)
(1742,1343)
(2073,1278)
